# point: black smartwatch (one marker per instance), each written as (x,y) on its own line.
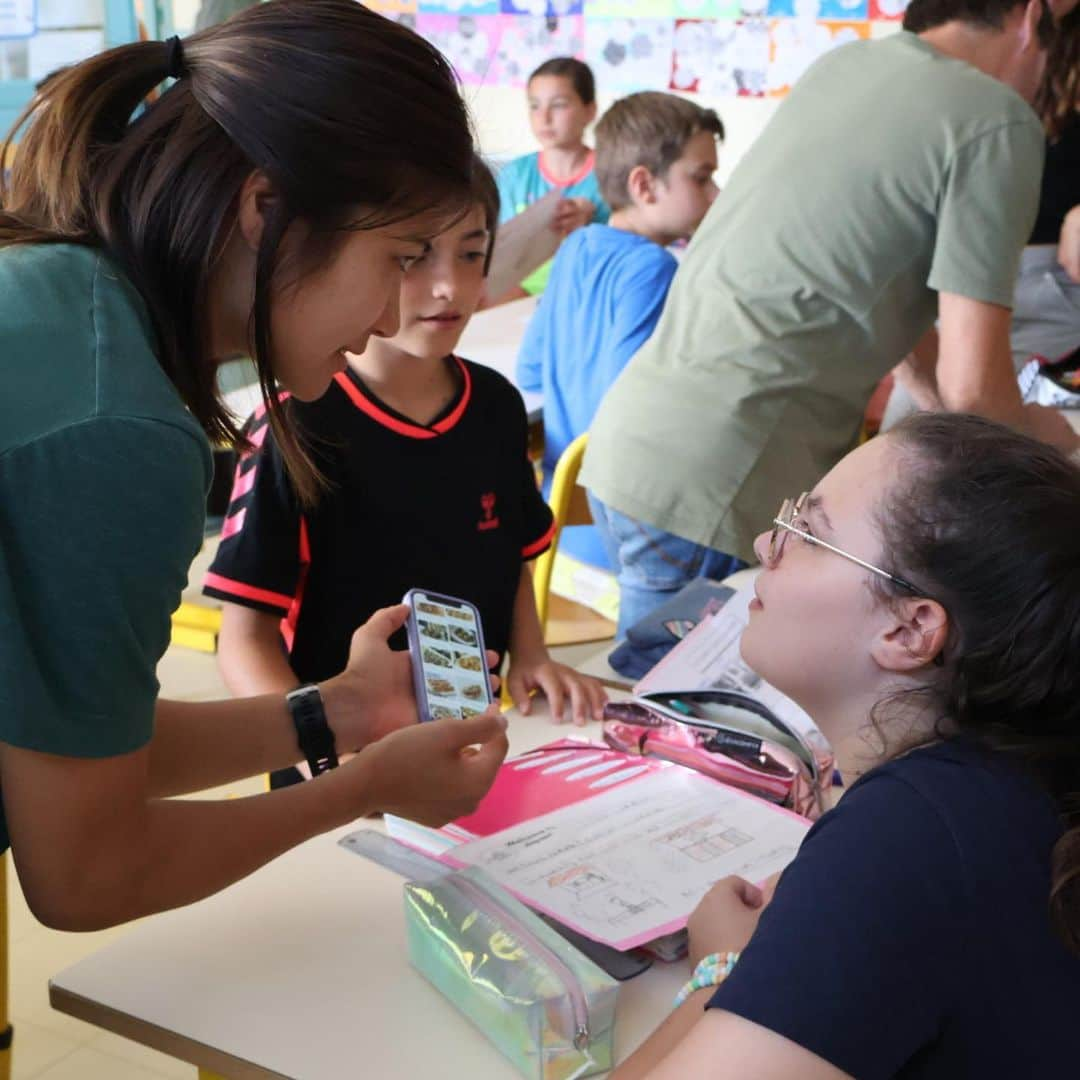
(312,731)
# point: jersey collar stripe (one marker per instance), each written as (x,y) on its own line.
(539,545)
(447,422)
(566,181)
(412,431)
(248,592)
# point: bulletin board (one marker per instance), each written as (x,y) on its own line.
(718,48)
(39,36)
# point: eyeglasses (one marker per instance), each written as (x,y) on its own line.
(784,523)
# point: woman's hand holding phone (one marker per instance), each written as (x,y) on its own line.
(373,696)
(432,773)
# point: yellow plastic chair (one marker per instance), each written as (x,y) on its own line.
(563,621)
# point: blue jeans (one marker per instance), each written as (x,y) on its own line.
(652,565)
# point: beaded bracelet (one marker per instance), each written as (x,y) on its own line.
(711,970)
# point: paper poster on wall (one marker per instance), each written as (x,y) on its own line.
(467,41)
(627,55)
(18,18)
(459,7)
(388,7)
(723,58)
(620,9)
(706,9)
(796,43)
(820,9)
(542,7)
(887,9)
(526,42)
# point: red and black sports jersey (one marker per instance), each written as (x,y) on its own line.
(452,507)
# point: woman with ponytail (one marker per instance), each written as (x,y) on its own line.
(923,604)
(266,204)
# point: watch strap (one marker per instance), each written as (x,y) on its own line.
(312,731)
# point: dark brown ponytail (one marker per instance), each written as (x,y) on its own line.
(987,521)
(341,109)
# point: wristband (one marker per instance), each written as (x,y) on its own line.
(711,970)
(312,731)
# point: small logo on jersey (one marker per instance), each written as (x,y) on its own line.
(487,509)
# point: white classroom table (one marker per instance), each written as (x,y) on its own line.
(491,338)
(301,970)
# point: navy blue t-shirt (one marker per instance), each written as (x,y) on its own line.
(911,935)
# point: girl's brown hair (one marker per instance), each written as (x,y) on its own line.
(987,521)
(356,121)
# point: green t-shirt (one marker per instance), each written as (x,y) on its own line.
(103,479)
(889,174)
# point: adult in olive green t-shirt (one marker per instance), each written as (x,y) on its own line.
(896,184)
(134,257)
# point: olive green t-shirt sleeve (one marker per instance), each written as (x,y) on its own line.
(99,522)
(986,212)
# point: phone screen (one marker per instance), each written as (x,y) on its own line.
(447,646)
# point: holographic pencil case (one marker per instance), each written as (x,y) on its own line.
(546,1006)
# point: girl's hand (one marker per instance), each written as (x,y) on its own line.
(727,916)
(557,683)
(571,214)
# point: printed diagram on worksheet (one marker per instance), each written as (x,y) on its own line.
(629,865)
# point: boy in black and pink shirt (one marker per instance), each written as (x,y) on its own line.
(429,487)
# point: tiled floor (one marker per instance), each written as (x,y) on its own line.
(47,1044)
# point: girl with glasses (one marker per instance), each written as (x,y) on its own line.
(922,603)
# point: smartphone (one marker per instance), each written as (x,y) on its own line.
(449,664)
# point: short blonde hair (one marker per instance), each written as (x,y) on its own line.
(650,129)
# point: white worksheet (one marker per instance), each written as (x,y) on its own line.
(629,865)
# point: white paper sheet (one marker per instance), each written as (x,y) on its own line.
(630,865)
(708,658)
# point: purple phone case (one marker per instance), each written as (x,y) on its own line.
(412,631)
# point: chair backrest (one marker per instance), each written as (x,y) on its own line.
(570,505)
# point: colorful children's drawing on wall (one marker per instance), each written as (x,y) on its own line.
(459,7)
(467,41)
(720,59)
(820,9)
(390,7)
(796,43)
(706,9)
(630,54)
(887,9)
(526,42)
(542,7)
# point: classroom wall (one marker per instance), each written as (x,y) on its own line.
(503,127)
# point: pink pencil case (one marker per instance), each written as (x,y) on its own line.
(729,736)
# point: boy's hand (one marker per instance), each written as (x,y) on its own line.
(571,214)
(432,773)
(727,916)
(558,683)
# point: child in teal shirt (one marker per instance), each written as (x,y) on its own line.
(562,104)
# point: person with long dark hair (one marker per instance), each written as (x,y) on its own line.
(267,203)
(922,603)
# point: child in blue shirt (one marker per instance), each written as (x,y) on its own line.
(562,104)
(655,159)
